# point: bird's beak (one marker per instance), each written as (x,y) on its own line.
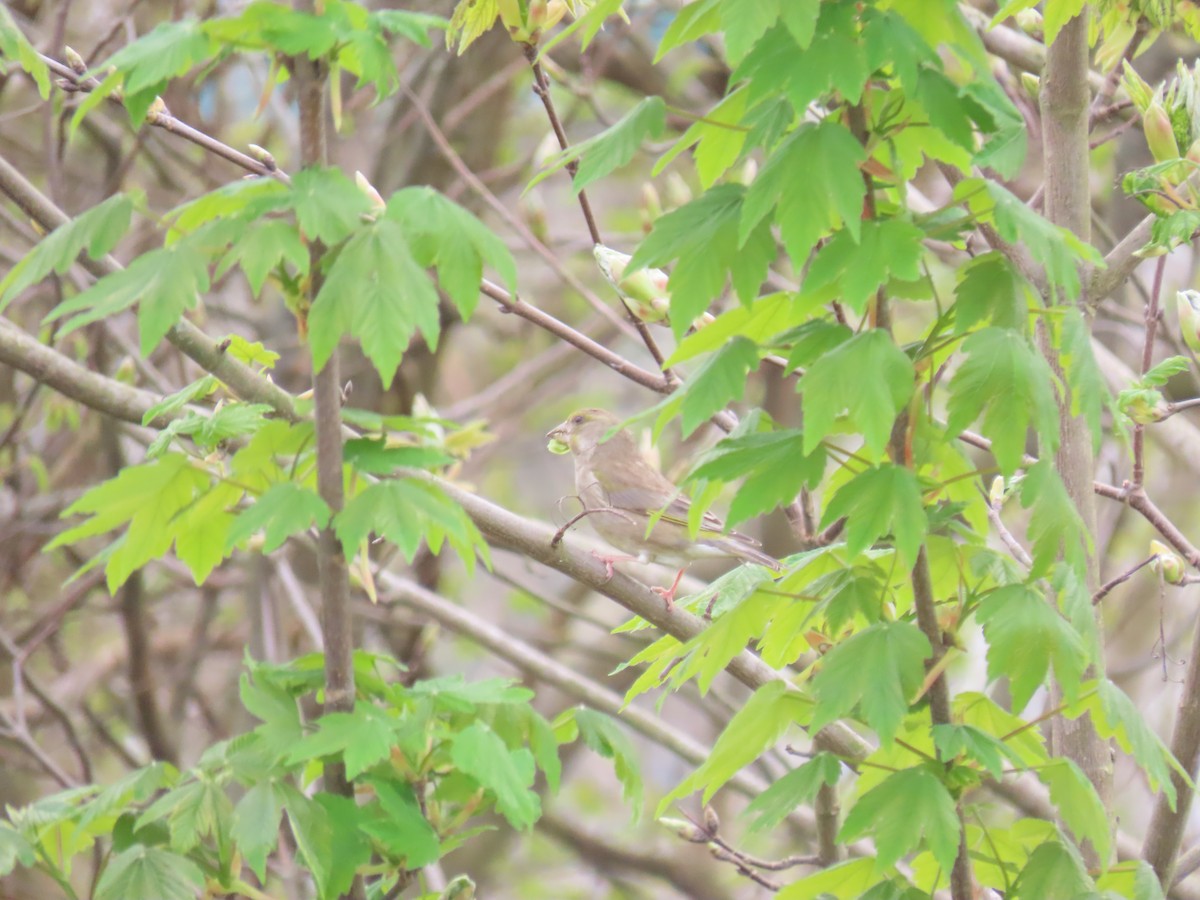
(559,431)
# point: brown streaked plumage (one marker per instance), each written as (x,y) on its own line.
(622,491)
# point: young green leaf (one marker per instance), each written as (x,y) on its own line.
(885,248)
(607,738)
(97,230)
(1007,382)
(877,501)
(797,788)
(282,511)
(507,774)
(1025,634)
(868,379)
(814,185)
(149,873)
(879,670)
(901,810)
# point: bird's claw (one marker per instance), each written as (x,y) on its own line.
(668,595)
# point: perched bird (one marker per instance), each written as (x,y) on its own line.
(621,492)
(1187,303)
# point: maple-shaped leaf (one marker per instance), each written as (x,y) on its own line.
(1025,636)
(868,379)
(443,235)
(508,774)
(814,185)
(885,248)
(990,288)
(901,810)
(879,670)
(377,292)
(703,236)
(1008,383)
(97,230)
(881,500)
(282,511)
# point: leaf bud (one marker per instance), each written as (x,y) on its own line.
(1160,136)
(1030,22)
(263,156)
(74,60)
(377,202)
(711,820)
(1187,304)
(1167,562)
(996,492)
(685,830)
(1032,85)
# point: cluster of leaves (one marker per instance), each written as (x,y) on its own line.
(426,762)
(840,99)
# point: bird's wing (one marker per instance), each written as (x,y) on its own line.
(633,484)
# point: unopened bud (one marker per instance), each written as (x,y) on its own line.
(263,156)
(1160,136)
(996,492)
(377,203)
(1032,85)
(711,820)
(678,191)
(685,830)
(1167,562)
(75,61)
(157,108)
(1030,22)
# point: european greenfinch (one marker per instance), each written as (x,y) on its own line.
(621,492)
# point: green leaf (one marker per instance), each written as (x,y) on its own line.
(842,880)
(412,26)
(162,282)
(744,22)
(97,230)
(1058,14)
(405,512)
(899,811)
(147,497)
(721,379)
(1165,371)
(328,204)
(612,148)
(761,721)
(886,248)
(606,737)
(362,738)
(1010,384)
(814,184)
(1025,634)
(181,398)
(443,234)
(149,873)
(1078,804)
(868,379)
(1054,869)
(14,45)
(14,848)
(967,740)
(991,289)
(1054,523)
(255,827)
(798,787)
(377,458)
(877,501)
(773,464)
(1116,717)
(703,236)
(264,246)
(879,670)
(149,63)
(285,509)
(377,292)
(401,827)
(691,22)
(1055,248)
(507,774)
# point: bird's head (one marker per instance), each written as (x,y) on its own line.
(582,430)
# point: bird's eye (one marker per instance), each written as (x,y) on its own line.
(577,420)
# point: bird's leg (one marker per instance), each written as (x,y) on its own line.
(608,562)
(668,594)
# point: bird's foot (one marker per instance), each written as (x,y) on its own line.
(609,561)
(668,594)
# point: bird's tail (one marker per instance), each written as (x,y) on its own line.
(743,549)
